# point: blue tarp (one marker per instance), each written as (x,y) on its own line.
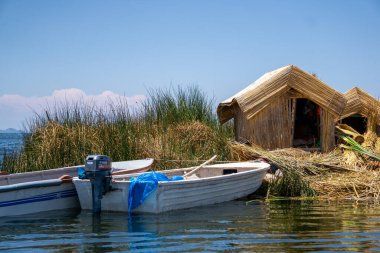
(82,173)
(142,186)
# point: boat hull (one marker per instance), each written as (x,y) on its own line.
(39,191)
(38,198)
(177,194)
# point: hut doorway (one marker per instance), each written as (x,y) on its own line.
(357,122)
(306,120)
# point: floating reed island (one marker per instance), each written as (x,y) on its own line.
(339,174)
(313,132)
(320,143)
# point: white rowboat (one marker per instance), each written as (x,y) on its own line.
(46,190)
(211,184)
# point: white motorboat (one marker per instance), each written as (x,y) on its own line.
(209,185)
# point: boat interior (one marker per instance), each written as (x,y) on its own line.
(206,171)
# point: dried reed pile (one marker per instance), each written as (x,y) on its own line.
(361,156)
(359,185)
(293,182)
(305,174)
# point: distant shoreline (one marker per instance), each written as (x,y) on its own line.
(10,131)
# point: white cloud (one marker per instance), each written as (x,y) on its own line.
(15,109)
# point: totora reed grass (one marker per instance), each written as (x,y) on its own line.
(173,124)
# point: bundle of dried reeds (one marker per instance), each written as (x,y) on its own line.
(293,181)
(302,161)
(352,185)
(347,130)
(365,155)
(305,174)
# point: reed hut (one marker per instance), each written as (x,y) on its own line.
(362,111)
(287,107)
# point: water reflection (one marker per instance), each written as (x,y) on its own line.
(287,226)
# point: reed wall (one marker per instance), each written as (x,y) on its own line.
(327,131)
(270,128)
(273,126)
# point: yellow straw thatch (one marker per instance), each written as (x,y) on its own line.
(360,102)
(271,85)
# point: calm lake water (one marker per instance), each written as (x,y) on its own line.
(276,226)
(9,142)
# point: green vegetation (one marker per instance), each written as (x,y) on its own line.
(355,146)
(171,125)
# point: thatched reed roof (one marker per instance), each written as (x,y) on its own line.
(263,91)
(360,102)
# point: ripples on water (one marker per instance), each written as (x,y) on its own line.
(281,226)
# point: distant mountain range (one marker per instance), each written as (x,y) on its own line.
(10,131)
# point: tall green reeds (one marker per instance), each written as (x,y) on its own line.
(172,124)
(355,146)
(168,107)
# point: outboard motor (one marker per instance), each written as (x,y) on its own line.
(98,170)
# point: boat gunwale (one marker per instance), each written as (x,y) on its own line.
(262,167)
(30,185)
(69,169)
(214,178)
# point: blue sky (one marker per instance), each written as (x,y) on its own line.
(122,48)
